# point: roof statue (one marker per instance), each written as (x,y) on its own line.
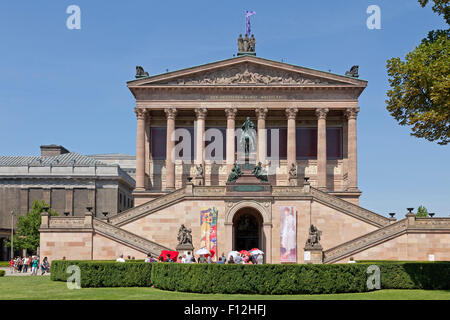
(353,72)
(140,73)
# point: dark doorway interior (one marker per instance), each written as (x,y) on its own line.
(247,229)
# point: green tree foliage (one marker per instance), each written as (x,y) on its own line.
(422,212)
(441,7)
(27,227)
(420,85)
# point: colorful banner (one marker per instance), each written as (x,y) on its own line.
(288,234)
(208,229)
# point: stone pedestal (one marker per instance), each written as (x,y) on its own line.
(183,249)
(248,184)
(293,181)
(199,181)
(315,255)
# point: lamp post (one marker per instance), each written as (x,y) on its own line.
(12,234)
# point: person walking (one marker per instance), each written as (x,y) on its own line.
(35,265)
(260,259)
(202,259)
(26,260)
(11,265)
(188,258)
(45,266)
(224,259)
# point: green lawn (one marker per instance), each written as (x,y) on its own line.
(42,288)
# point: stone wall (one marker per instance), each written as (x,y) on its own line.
(410,246)
(75,245)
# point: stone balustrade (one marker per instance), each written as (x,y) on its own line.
(350,208)
(409,224)
(128,238)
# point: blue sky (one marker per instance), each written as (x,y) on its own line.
(69,86)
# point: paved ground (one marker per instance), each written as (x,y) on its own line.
(20,274)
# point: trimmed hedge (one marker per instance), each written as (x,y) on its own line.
(2,273)
(260,279)
(257,279)
(105,273)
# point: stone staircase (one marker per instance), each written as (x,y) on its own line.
(127,238)
(349,208)
(148,207)
(277,191)
(361,243)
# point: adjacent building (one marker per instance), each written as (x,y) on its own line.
(67,181)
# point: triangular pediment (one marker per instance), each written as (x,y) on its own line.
(247,70)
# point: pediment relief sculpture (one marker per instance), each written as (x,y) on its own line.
(248,74)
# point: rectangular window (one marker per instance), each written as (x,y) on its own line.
(158,143)
(306,143)
(181,152)
(215,135)
(282,143)
(334,143)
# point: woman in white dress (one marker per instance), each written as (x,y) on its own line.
(288,236)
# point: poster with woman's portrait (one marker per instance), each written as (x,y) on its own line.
(288,234)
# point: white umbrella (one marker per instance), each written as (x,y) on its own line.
(202,251)
(232,253)
(257,251)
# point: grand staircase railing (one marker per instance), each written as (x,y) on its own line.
(146,208)
(370,239)
(128,238)
(349,208)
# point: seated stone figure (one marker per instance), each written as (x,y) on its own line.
(235,173)
(259,172)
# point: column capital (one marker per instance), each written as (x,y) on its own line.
(141,113)
(231,113)
(291,113)
(321,113)
(261,113)
(201,113)
(351,113)
(171,113)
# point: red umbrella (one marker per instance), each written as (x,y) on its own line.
(254,249)
(212,253)
(172,254)
(244,252)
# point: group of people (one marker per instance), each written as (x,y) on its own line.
(29,263)
(190,258)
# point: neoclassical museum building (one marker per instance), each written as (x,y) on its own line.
(248,153)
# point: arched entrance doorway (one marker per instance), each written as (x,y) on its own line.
(247,229)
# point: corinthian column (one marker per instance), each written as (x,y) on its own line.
(140,149)
(200,143)
(261,113)
(322,148)
(231,116)
(170,146)
(291,114)
(351,114)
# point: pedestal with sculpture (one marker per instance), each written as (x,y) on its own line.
(248,178)
(184,241)
(313,248)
